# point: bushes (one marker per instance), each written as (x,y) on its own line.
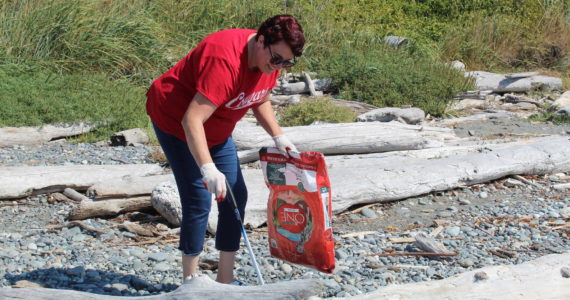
(389,77)
(311,110)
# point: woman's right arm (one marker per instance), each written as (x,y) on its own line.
(198,111)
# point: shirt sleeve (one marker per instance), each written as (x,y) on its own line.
(216,80)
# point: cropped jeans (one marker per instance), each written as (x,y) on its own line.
(196,200)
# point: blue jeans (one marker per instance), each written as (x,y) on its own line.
(196,200)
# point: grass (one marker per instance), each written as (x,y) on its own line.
(33,96)
(65,60)
(319,109)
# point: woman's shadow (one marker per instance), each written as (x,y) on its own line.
(90,281)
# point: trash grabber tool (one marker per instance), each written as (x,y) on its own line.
(244,234)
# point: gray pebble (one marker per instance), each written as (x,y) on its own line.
(466,263)
(565,271)
(367,212)
(483,195)
(453,231)
(479,276)
(158,256)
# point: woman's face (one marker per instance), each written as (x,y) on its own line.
(273,57)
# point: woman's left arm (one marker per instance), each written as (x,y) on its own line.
(266,118)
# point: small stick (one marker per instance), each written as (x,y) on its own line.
(353,234)
(412,254)
(77,223)
(560,227)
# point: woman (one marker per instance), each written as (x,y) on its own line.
(194,108)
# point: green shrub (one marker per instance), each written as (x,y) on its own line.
(386,77)
(319,109)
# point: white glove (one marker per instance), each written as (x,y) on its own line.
(214,180)
(284,144)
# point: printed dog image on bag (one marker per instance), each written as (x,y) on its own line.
(299,208)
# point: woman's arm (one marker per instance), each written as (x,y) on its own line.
(198,111)
(266,118)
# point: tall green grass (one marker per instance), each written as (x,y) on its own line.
(124,45)
(33,96)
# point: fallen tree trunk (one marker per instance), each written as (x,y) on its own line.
(397,179)
(18,182)
(127,186)
(200,288)
(537,279)
(502,83)
(108,208)
(302,87)
(344,138)
(38,135)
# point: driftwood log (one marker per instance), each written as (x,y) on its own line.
(502,83)
(10,136)
(127,186)
(403,179)
(302,87)
(18,182)
(199,288)
(536,279)
(109,207)
(344,138)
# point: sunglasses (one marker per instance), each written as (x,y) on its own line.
(277,60)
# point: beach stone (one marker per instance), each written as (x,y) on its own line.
(367,212)
(466,263)
(565,271)
(158,257)
(287,268)
(483,195)
(453,231)
(481,276)
(162,267)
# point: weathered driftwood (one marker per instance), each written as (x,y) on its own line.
(37,135)
(501,83)
(199,288)
(75,195)
(107,208)
(127,186)
(412,115)
(129,137)
(166,201)
(428,244)
(18,182)
(310,85)
(401,179)
(536,279)
(302,87)
(344,138)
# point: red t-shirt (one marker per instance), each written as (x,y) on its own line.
(218,69)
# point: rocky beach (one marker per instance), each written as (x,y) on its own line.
(508,221)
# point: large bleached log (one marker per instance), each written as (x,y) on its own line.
(302,87)
(537,279)
(107,208)
(127,186)
(503,83)
(403,178)
(17,182)
(199,288)
(344,138)
(38,135)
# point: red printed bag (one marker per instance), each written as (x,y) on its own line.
(299,209)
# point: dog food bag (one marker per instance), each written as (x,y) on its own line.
(299,209)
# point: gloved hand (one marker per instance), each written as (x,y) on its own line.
(214,181)
(284,144)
